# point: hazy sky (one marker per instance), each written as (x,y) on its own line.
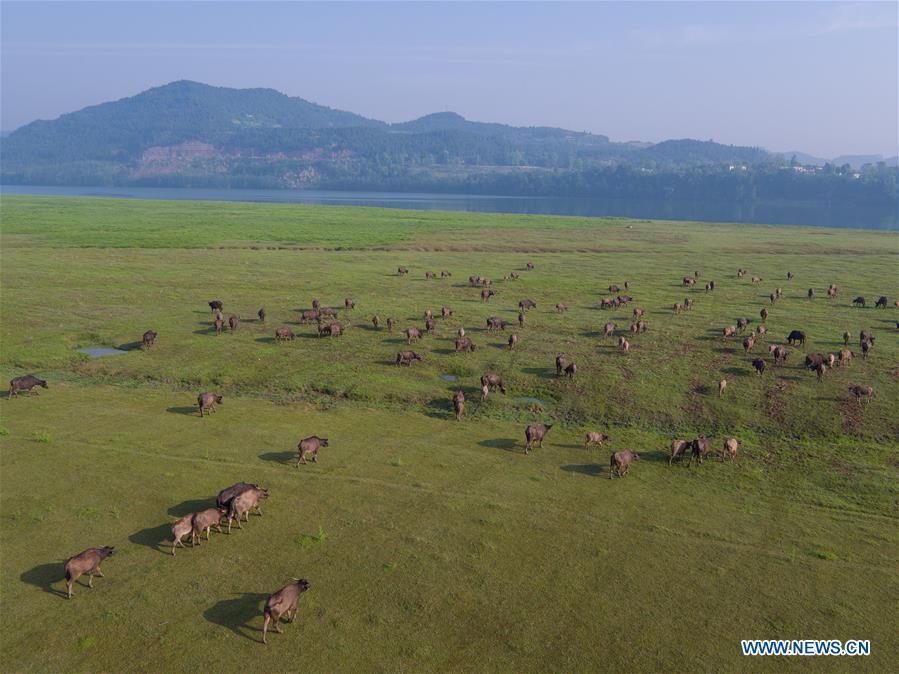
(810,76)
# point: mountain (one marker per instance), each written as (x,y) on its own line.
(856,161)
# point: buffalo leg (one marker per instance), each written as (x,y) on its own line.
(265,626)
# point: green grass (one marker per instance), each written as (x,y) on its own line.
(431,544)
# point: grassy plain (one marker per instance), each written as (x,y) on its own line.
(432,544)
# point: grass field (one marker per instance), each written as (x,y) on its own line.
(432,544)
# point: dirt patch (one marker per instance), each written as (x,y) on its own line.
(775,397)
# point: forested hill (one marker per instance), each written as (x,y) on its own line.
(191,134)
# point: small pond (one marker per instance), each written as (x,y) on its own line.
(448,377)
(101,351)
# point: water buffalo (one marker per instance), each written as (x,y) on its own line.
(204,521)
(310,446)
(764,314)
(881,302)
(614,289)
(430,275)
(402,271)
(796,337)
(309,315)
(812,360)
(492,381)
(284,334)
(261,314)
(772,297)
(180,529)
(608,329)
(761,330)
(316,304)
(148,339)
(759,364)
(526,304)
(701,447)
(729,331)
(445,274)
(560,364)
(748,343)
(859,301)
(811,293)
(756,280)
(710,286)
(27,383)
(530,265)
(513,340)
(513,275)
(866,347)
(376,321)
(233,322)
(595,438)
(846,357)
(430,326)
(638,312)
(820,370)
(495,323)
(780,353)
(624,345)
(689,281)
(561,308)
(473,281)
(742,323)
(327,312)
(486,294)
(677,307)
(284,601)
(445,312)
(846,337)
(223,500)
(790,276)
(412,334)
(729,451)
(678,448)
(741,272)
(460,332)
(219,325)
(484,391)
(865,336)
(722,386)
(240,505)
(407,358)
(349,303)
(860,391)
(86,562)
(216,305)
(207,402)
(620,462)
(390,323)
(458,404)
(464,344)
(520,319)
(571,370)
(535,433)
(688,303)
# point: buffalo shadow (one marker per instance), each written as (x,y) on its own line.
(153,537)
(507,444)
(193,410)
(593,469)
(284,458)
(44,575)
(236,614)
(191,506)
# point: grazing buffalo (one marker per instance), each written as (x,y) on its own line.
(484,391)
(607,303)
(316,304)
(846,337)
(729,451)
(860,391)
(790,276)
(219,325)
(428,314)
(729,331)
(330,330)
(638,312)
(412,334)
(595,438)
(233,322)
(677,307)
(627,285)
(571,370)
(560,364)
(741,272)
(846,357)
(349,303)
(459,404)
(812,360)
(689,281)
(796,337)
(614,289)
(530,265)
(761,330)
(759,365)
(623,344)
(284,334)
(624,299)
(284,601)
(513,275)
(701,447)
(464,344)
(520,319)
(513,340)
(811,293)
(376,321)
(27,383)
(473,281)
(526,304)
(688,303)
(772,297)
(881,302)
(639,327)
(402,271)
(495,323)
(207,402)
(390,323)
(780,353)
(445,312)
(620,462)
(764,314)
(678,448)
(148,339)
(609,329)
(309,447)
(204,521)
(240,505)
(327,312)
(710,286)
(261,314)
(486,294)
(216,305)
(460,332)
(86,562)
(535,433)
(407,358)
(492,381)
(866,347)
(865,336)
(756,280)
(748,343)
(180,529)
(859,301)
(742,323)
(561,308)
(820,370)
(445,274)
(722,386)
(430,275)
(223,500)
(430,326)
(309,315)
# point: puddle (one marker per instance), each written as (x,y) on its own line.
(101,351)
(531,401)
(448,377)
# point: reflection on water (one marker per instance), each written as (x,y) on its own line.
(101,351)
(785,212)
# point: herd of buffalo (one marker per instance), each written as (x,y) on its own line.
(234,503)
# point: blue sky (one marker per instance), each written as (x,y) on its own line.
(810,76)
